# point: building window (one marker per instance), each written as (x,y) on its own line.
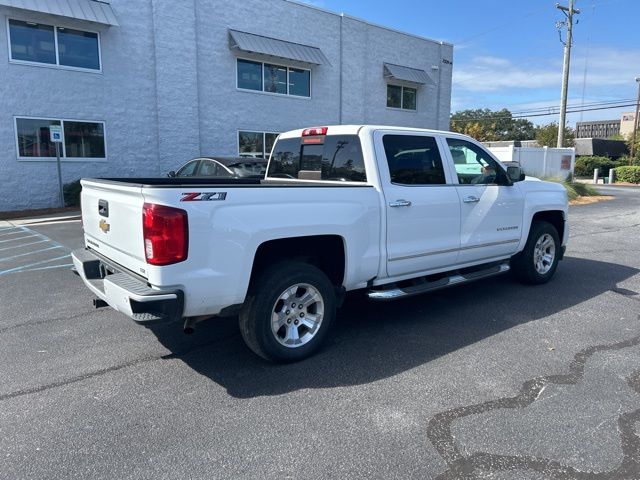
(255,144)
(267,77)
(249,75)
(401,97)
(275,79)
(299,82)
(80,139)
(45,44)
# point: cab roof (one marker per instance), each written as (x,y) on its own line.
(356,129)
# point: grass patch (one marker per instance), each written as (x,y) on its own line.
(576,190)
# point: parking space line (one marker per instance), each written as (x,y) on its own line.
(29,253)
(16,231)
(19,238)
(66,265)
(23,245)
(23,267)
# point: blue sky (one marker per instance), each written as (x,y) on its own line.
(508,53)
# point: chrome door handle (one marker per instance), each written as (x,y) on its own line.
(400,203)
(471,199)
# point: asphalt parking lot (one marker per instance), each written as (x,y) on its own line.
(489,380)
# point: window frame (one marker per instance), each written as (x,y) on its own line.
(402,87)
(265,154)
(63,157)
(263,91)
(57,56)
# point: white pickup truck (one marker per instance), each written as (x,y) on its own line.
(394,211)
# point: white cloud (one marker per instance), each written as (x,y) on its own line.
(606,67)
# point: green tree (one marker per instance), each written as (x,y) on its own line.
(636,150)
(547,135)
(487,125)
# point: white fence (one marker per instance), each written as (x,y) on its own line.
(541,162)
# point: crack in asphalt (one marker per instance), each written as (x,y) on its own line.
(114,368)
(460,466)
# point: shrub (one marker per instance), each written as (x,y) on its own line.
(624,161)
(628,174)
(71,192)
(586,165)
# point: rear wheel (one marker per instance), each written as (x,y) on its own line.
(537,263)
(288,312)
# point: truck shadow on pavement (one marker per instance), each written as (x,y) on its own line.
(371,341)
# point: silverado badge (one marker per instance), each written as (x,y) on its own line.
(104,226)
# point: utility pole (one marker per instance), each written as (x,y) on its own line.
(568,12)
(635,125)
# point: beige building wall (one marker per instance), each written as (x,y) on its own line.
(626,124)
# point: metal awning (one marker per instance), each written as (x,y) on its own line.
(88,10)
(407,74)
(273,47)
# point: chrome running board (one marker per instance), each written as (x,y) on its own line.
(425,286)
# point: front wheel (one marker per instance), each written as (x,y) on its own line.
(288,312)
(537,263)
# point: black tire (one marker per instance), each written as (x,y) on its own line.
(523,265)
(262,300)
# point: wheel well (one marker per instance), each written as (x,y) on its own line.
(554,217)
(324,251)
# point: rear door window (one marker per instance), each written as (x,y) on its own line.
(333,157)
(413,160)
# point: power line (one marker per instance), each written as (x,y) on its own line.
(501,26)
(581,104)
(490,118)
(553,108)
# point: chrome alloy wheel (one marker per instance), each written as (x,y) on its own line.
(544,253)
(297,315)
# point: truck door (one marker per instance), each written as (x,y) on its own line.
(422,206)
(491,207)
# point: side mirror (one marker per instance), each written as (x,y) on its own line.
(515,174)
(171,174)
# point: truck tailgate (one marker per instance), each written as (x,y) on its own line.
(112,221)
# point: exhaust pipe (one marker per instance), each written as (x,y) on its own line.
(190,323)
(99,303)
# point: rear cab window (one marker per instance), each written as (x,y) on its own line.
(321,157)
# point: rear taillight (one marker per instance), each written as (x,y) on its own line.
(310,132)
(166,234)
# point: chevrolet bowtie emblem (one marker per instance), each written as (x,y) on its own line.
(104,226)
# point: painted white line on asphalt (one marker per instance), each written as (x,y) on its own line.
(15,232)
(57,222)
(23,245)
(44,237)
(19,238)
(29,253)
(66,265)
(23,267)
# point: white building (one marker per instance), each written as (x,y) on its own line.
(141,86)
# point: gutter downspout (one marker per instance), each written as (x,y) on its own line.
(341,73)
(155,83)
(439,96)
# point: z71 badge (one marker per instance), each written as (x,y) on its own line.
(203,196)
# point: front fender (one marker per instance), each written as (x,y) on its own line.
(543,197)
